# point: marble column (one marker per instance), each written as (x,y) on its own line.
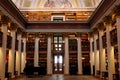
(49,57)
(110,53)
(36,52)
(12,54)
(23,58)
(102,53)
(118,39)
(96,55)
(91,55)
(18,55)
(3,52)
(66,57)
(79,57)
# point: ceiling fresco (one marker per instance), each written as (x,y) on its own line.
(48,7)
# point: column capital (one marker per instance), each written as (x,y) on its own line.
(101,26)
(79,34)
(49,34)
(36,34)
(65,34)
(116,10)
(4,19)
(107,20)
(95,31)
(24,34)
(13,26)
(19,31)
(90,34)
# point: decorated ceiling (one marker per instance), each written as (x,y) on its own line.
(78,9)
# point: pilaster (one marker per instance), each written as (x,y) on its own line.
(79,54)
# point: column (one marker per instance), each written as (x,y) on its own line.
(118,35)
(96,55)
(79,56)
(23,60)
(49,59)
(36,52)
(102,53)
(110,51)
(18,55)
(12,54)
(3,52)
(66,57)
(116,14)
(91,55)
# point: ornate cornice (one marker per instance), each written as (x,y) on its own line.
(100,11)
(11,9)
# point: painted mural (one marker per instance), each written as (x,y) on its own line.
(42,10)
(42,4)
(27,3)
(58,4)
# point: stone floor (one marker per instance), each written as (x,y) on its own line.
(58,77)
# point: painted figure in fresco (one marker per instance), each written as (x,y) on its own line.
(58,4)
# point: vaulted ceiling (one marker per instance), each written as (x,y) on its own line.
(42,10)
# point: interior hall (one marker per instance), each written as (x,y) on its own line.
(59,39)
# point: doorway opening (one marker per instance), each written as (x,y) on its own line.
(58,64)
